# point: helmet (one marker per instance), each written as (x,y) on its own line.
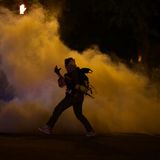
(67,60)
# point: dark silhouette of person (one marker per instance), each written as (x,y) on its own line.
(75,91)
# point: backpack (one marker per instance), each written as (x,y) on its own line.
(84,80)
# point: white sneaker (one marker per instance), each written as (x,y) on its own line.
(45,129)
(90,134)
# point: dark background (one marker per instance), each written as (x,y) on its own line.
(120,27)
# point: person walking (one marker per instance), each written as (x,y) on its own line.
(76,83)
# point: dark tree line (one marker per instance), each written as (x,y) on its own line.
(121,26)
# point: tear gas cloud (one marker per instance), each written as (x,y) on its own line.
(30,48)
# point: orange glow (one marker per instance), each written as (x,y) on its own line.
(139,58)
(124,100)
(22,9)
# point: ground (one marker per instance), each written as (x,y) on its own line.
(79,147)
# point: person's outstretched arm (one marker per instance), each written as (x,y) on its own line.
(61,79)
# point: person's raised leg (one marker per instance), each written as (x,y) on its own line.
(64,104)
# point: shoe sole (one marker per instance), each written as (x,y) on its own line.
(45,132)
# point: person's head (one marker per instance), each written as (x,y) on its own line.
(70,64)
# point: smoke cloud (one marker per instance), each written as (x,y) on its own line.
(30,48)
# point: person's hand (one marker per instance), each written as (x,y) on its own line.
(57,70)
(81,88)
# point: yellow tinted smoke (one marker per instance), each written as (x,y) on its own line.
(30,48)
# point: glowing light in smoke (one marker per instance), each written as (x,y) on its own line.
(131,60)
(139,58)
(22,9)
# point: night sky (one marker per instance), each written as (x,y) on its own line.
(120,27)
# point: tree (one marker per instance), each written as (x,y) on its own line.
(123,26)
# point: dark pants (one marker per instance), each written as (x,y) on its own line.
(76,101)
